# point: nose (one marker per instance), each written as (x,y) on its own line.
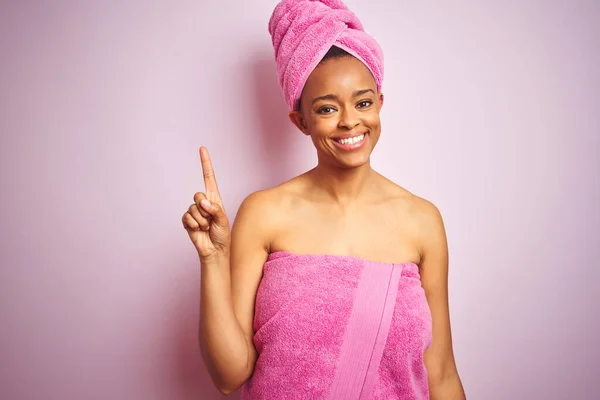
(349,118)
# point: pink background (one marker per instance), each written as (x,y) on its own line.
(492,112)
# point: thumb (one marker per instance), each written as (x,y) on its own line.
(216,211)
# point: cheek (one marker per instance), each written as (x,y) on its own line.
(372,120)
(323,126)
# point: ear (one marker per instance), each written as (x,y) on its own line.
(380,100)
(298,120)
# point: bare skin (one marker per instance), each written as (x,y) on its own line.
(341,207)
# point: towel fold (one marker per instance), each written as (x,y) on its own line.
(334,327)
(302,31)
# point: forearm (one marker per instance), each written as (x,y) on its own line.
(223,344)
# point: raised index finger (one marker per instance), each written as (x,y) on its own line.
(209,174)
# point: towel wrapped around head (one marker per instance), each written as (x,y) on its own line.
(303,31)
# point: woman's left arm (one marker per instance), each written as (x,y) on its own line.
(444,381)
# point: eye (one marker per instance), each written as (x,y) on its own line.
(365,104)
(326,110)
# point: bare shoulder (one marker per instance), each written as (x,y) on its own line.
(415,207)
(420,215)
(426,213)
(266,210)
(270,201)
(257,203)
(428,228)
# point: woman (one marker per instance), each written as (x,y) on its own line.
(337,278)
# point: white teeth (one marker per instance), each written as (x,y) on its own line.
(352,140)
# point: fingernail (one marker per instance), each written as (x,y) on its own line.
(206,203)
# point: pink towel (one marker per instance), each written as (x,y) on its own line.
(333,327)
(303,31)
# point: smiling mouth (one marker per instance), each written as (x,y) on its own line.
(352,140)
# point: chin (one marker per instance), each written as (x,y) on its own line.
(353,161)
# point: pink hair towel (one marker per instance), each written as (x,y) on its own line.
(340,328)
(303,31)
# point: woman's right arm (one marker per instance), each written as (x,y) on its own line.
(231,270)
(230,283)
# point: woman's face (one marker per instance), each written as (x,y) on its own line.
(340,111)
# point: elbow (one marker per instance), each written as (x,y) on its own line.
(228,374)
(232,383)
(226,390)
(226,380)
(229,388)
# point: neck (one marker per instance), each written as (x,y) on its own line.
(342,185)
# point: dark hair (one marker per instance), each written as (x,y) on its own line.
(333,53)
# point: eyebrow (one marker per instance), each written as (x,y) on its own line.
(334,97)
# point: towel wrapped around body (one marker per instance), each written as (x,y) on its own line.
(337,327)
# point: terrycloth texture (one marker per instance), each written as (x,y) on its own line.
(303,31)
(333,327)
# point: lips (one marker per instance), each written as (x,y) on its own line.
(350,140)
(350,143)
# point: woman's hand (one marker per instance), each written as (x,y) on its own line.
(205,221)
